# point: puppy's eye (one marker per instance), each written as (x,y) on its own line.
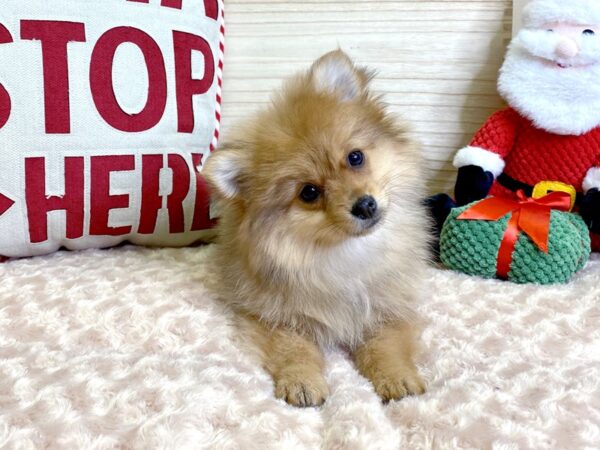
(356,158)
(310,193)
(589,32)
(550,30)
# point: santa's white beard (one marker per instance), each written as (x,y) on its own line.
(561,101)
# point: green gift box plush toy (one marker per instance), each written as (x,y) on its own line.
(523,240)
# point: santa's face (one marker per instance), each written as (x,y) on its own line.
(552,76)
(562,45)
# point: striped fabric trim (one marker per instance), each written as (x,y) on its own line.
(215,140)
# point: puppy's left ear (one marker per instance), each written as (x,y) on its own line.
(335,73)
(226,170)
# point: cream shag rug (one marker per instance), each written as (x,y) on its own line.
(124,349)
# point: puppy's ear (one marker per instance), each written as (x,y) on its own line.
(226,169)
(335,73)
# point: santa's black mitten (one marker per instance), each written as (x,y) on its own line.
(472,183)
(590,210)
(439,207)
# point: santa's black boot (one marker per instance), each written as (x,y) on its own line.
(439,207)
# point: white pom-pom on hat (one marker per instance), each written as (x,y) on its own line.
(537,13)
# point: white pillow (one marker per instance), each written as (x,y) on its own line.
(108,108)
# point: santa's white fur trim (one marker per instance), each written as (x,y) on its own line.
(582,12)
(592,179)
(477,156)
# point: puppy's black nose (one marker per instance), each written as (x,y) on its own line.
(364,208)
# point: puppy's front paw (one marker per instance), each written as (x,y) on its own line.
(301,387)
(394,385)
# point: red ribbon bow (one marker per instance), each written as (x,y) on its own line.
(529,215)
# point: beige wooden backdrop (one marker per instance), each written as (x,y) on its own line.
(437,60)
(518,6)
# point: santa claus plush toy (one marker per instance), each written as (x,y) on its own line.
(548,139)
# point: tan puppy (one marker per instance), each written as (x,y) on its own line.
(322,239)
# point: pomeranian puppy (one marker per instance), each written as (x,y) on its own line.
(322,238)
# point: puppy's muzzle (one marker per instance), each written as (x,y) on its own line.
(366,209)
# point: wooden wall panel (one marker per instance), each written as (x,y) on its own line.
(437,61)
(518,6)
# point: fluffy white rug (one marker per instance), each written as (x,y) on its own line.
(124,349)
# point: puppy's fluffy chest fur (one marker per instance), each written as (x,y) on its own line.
(335,295)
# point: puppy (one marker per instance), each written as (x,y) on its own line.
(322,239)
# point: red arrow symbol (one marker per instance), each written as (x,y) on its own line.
(5,203)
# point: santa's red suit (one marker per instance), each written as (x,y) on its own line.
(522,154)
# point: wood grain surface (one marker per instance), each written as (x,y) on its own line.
(437,61)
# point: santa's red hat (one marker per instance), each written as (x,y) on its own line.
(581,12)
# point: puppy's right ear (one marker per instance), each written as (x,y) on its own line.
(335,73)
(225,169)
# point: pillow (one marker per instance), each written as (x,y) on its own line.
(108,109)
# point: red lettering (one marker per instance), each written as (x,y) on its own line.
(5,103)
(5,203)
(211,7)
(101,80)
(168,3)
(39,204)
(186,86)
(5,36)
(5,106)
(202,219)
(151,200)
(181,188)
(177,4)
(55,36)
(101,202)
